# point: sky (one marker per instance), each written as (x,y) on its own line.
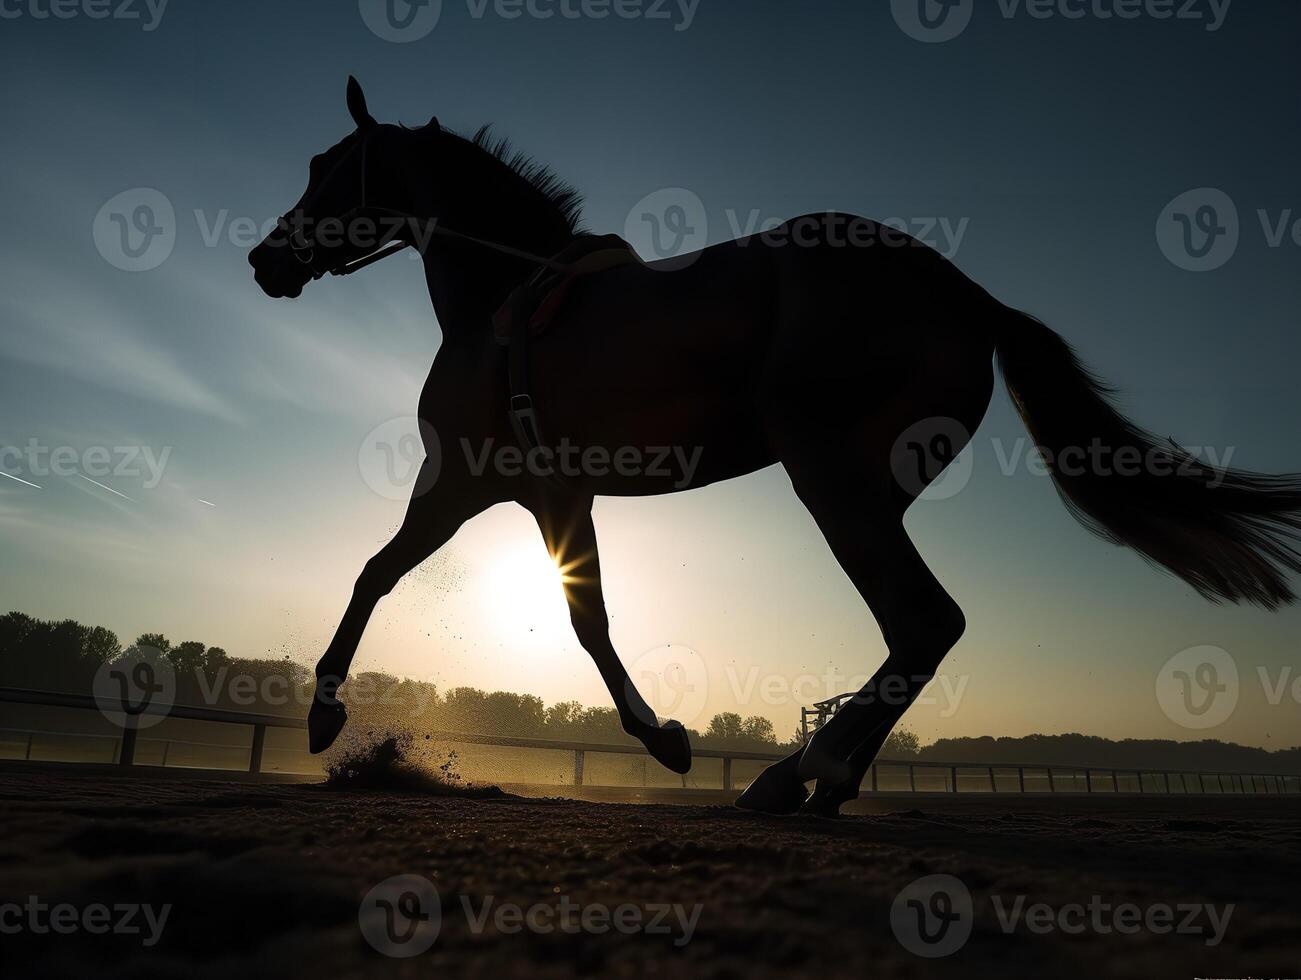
(1043,151)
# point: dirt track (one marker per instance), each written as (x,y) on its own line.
(267,880)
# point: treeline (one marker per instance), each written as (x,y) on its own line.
(1133,753)
(65,655)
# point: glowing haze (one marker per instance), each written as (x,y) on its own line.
(1023,134)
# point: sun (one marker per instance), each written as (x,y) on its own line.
(524,586)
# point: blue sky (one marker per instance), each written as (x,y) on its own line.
(1054,142)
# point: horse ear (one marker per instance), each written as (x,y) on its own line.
(357,105)
(433,125)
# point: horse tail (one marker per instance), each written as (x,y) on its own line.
(1230,534)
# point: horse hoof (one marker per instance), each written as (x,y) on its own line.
(773,791)
(827,802)
(324,722)
(669,746)
(816,765)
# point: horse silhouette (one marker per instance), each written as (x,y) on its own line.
(862,371)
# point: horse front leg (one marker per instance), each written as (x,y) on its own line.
(566,525)
(434,514)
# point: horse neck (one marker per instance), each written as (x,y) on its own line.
(468,282)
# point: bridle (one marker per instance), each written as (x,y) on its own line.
(306,249)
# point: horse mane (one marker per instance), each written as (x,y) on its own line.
(557,192)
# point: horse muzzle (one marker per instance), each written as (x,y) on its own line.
(278,272)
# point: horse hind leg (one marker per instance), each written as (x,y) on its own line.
(860,513)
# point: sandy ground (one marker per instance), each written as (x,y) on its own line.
(272,880)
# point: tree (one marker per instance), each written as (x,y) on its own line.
(726,726)
(155,640)
(759,729)
(901,744)
(186,657)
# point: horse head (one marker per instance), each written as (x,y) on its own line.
(357,203)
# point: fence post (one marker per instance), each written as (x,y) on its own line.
(259,743)
(128,755)
(912,779)
(1020,777)
(1138,773)
(1115,782)
(993,783)
(28,756)
(578,767)
(1052,785)
(953,776)
(167,746)
(1088,780)
(727,773)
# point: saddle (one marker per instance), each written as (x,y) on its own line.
(535,304)
(538,299)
